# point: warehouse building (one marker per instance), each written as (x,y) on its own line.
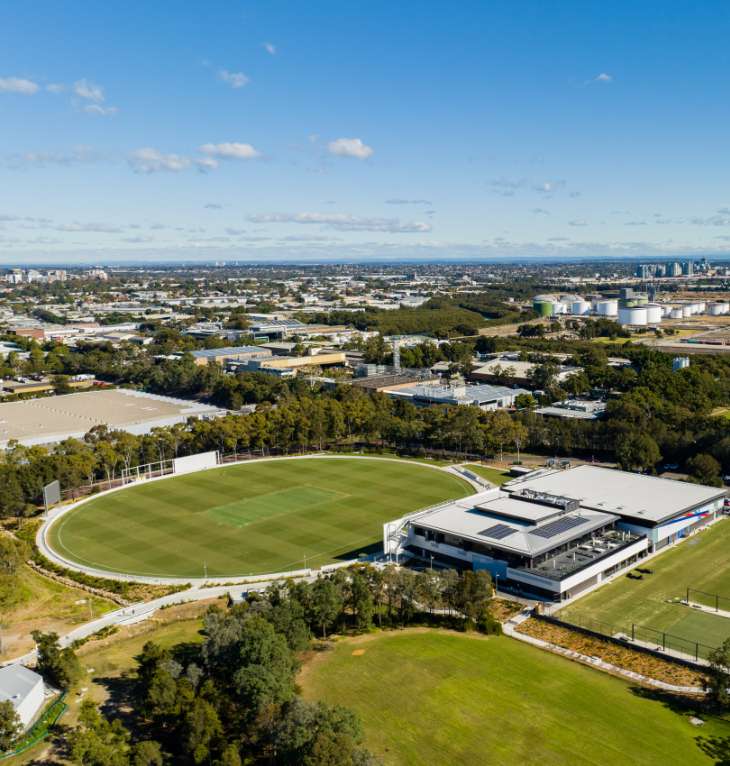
(552,534)
(25,691)
(229,354)
(484,396)
(53,419)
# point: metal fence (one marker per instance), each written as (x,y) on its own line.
(644,636)
(711,600)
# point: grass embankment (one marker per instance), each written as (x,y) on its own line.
(437,697)
(108,663)
(251,518)
(493,475)
(701,562)
(34,602)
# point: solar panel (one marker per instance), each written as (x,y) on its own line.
(558,526)
(497,532)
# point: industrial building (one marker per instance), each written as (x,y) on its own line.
(575,409)
(509,367)
(287,366)
(229,353)
(25,691)
(484,396)
(53,419)
(554,533)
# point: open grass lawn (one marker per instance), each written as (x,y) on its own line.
(444,698)
(701,562)
(493,475)
(33,602)
(250,518)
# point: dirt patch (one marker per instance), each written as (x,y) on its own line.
(358,652)
(503,609)
(621,656)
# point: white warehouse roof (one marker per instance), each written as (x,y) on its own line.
(631,495)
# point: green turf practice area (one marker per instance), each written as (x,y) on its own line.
(250,518)
(493,475)
(701,562)
(444,698)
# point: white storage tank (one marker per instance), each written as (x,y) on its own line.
(653,313)
(701,307)
(607,308)
(560,308)
(580,308)
(632,315)
(686,310)
(725,308)
(714,309)
(676,313)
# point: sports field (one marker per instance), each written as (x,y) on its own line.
(445,698)
(250,518)
(701,562)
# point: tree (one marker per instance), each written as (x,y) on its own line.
(705,469)
(717,681)
(9,725)
(638,451)
(97,742)
(316,734)
(147,753)
(60,667)
(325,603)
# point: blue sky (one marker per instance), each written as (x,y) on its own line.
(277,130)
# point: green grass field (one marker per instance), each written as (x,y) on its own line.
(250,518)
(492,475)
(445,698)
(701,562)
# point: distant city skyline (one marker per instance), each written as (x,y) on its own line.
(271,131)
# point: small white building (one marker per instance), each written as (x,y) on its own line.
(24,688)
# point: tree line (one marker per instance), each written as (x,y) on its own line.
(233,698)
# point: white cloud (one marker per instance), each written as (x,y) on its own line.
(89,91)
(270,48)
(206,163)
(350,147)
(400,201)
(344,222)
(104,111)
(230,151)
(18,85)
(234,79)
(149,160)
(99,228)
(55,87)
(603,77)
(78,155)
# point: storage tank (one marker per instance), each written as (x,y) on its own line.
(724,308)
(714,309)
(560,308)
(543,305)
(653,313)
(607,308)
(686,310)
(632,315)
(701,307)
(676,313)
(580,308)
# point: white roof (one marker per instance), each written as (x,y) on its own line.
(631,495)
(470,517)
(16,683)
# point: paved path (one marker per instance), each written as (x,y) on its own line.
(129,615)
